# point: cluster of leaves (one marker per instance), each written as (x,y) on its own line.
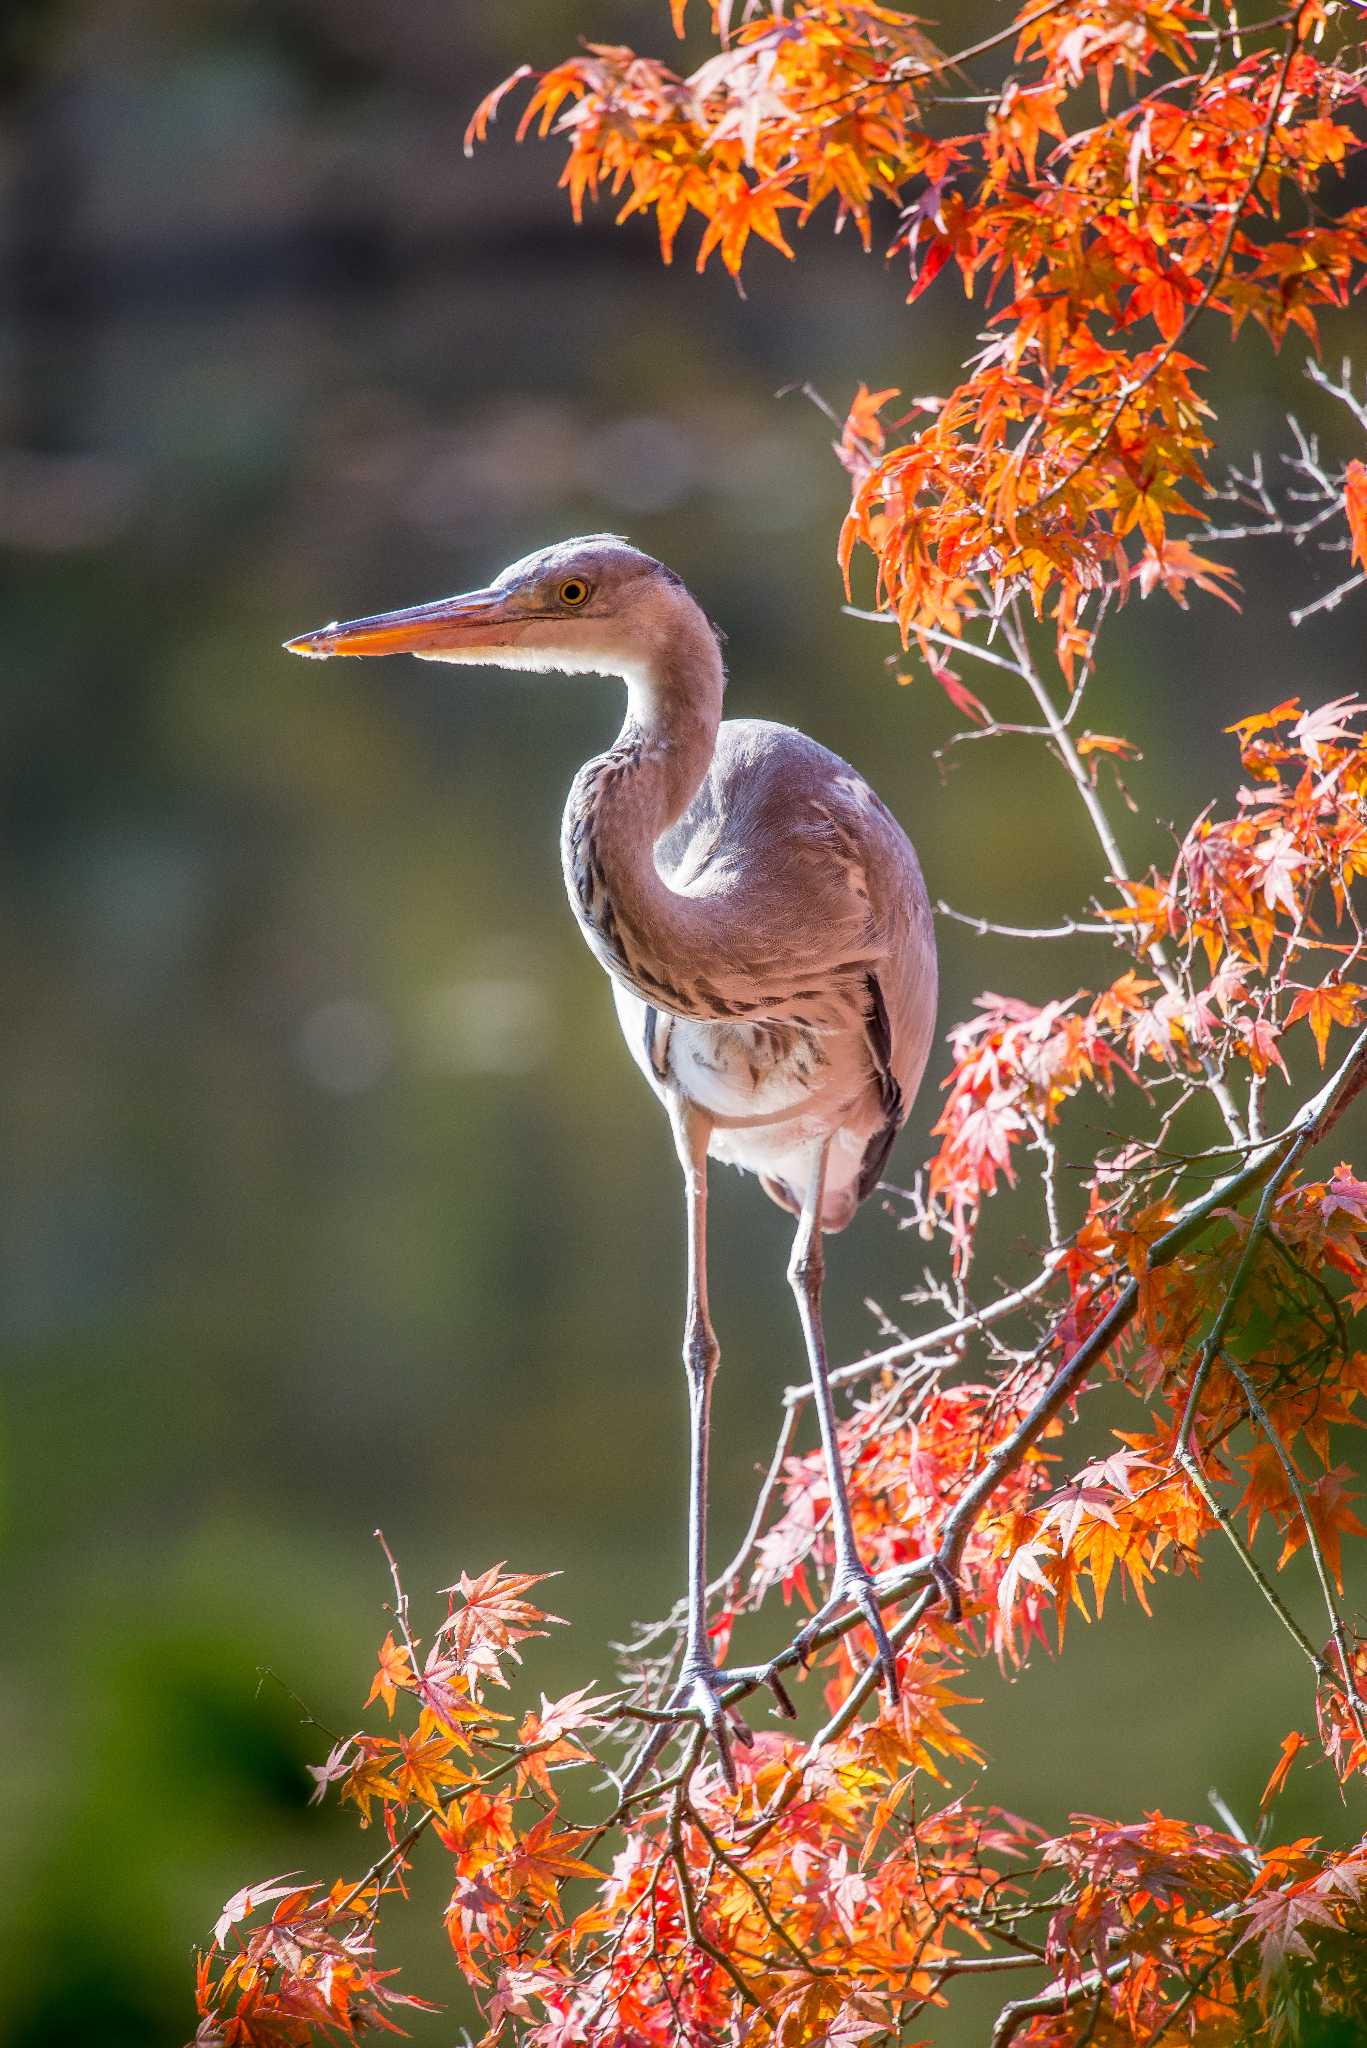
(1257,916)
(799,108)
(1124,177)
(830,1896)
(1095,243)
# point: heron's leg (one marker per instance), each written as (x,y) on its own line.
(852,1583)
(700,1681)
(701,1684)
(692,1130)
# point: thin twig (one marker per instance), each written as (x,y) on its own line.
(941,639)
(1224,1521)
(1019,644)
(937,1339)
(1215,1335)
(1293,1480)
(1071,928)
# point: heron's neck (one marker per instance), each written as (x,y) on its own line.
(625,800)
(673,711)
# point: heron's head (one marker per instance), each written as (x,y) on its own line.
(589,606)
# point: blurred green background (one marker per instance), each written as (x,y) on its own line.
(329,1196)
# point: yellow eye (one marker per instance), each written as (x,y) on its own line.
(574,592)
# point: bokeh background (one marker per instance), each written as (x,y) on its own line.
(328,1195)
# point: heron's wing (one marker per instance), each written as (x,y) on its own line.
(654,1041)
(895,1104)
(825,885)
(766,846)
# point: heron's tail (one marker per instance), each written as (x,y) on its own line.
(836,1211)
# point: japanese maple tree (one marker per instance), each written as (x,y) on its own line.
(1104,177)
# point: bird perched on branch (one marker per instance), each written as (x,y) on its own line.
(766,929)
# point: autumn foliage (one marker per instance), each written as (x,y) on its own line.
(1102,175)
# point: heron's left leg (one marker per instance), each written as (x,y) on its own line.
(700,1682)
(853,1583)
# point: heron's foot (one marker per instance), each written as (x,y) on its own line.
(854,1587)
(700,1692)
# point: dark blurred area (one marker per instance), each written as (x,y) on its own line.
(329,1196)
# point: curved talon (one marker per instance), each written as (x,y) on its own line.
(700,1692)
(763,1674)
(867,1602)
(783,1699)
(947,1586)
(855,1589)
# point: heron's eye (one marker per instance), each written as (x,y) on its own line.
(574,592)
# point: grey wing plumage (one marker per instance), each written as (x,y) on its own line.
(894,1103)
(833,891)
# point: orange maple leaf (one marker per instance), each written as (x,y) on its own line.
(395,1675)
(1355,505)
(1334,1003)
(1292,1745)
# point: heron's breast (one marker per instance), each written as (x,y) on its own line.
(751,1070)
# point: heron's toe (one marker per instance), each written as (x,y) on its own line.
(866,1600)
(855,1588)
(700,1693)
(947,1586)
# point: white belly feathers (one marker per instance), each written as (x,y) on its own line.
(773,1088)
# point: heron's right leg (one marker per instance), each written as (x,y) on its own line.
(701,1683)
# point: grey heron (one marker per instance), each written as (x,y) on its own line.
(766,929)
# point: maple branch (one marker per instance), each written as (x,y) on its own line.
(985,1966)
(1319,487)
(1331,599)
(950,640)
(1343,390)
(398,1850)
(1060,1998)
(688,1897)
(1046,1147)
(739,1871)
(1215,1336)
(1157,2032)
(992,42)
(912,71)
(937,1339)
(308,1718)
(400,1609)
(791,1413)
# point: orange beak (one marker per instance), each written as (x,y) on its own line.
(474,620)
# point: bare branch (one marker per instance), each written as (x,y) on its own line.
(1071,928)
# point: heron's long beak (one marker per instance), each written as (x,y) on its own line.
(475,620)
